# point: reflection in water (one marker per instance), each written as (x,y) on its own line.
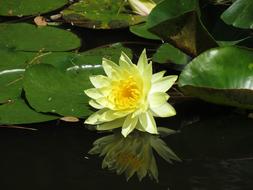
(133,154)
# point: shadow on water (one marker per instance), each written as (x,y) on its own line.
(214,144)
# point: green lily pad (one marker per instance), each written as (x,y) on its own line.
(50,90)
(239,14)
(178,22)
(167,53)
(29,7)
(28,37)
(100,14)
(222,75)
(10,84)
(18,112)
(141,30)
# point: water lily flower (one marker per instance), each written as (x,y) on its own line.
(133,154)
(142,7)
(129,96)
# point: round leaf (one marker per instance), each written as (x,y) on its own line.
(222,75)
(100,14)
(29,7)
(18,112)
(239,14)
(27,37)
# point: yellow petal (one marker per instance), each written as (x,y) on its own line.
(163,84)
(129,125)
(93,119)
(142,62)
(148,123)
(109,67)
(165,110)
(93,93)
(158,76)
(96,105)
(157,99)
(111,125)
(99,81)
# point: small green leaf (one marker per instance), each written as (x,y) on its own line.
(29,7)
(100,14)
(27,37)
(222,75)
(239,14)
(167,53)
(18,112)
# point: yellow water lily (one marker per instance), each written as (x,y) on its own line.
(142,7)
(129,96)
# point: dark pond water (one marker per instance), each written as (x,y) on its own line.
(215,144)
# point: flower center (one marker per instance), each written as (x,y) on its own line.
(125,93)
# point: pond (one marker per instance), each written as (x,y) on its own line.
(201,141)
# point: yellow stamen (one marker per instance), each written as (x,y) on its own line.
(125,93)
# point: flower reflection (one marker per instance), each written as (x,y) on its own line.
(134,153)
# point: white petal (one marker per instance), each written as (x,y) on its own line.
(158,76)
(96,105)
(99,81)
(163,84)
(129,125)
(111,125)
(93,93)
(148,123)
(105,115)
(165,110)
(142,62)
(124,60)
(109,67)
(157,99)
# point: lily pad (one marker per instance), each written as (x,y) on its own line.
(239,14)
(100,14)
(18,112)
(29,7)
(167,53)
(50,90)
(223,75)
(179,23)
(28,37)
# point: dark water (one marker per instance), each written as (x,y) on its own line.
(215,145)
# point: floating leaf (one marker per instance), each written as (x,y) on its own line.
(167,53)
(178,22)
(18,112)
(50,90)
(100,14)
(141,30)
(27,37)
(222,75)
(239,14)
(29,7)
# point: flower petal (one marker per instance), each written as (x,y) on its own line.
(148,123)
(96,105)
(93,93)
(163,84)
(165,110)
(105,115)
(111,125)
(99,81)
(129,125)
(142,62)
(158,76)
(124,60)
(157,99)
(109,67)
